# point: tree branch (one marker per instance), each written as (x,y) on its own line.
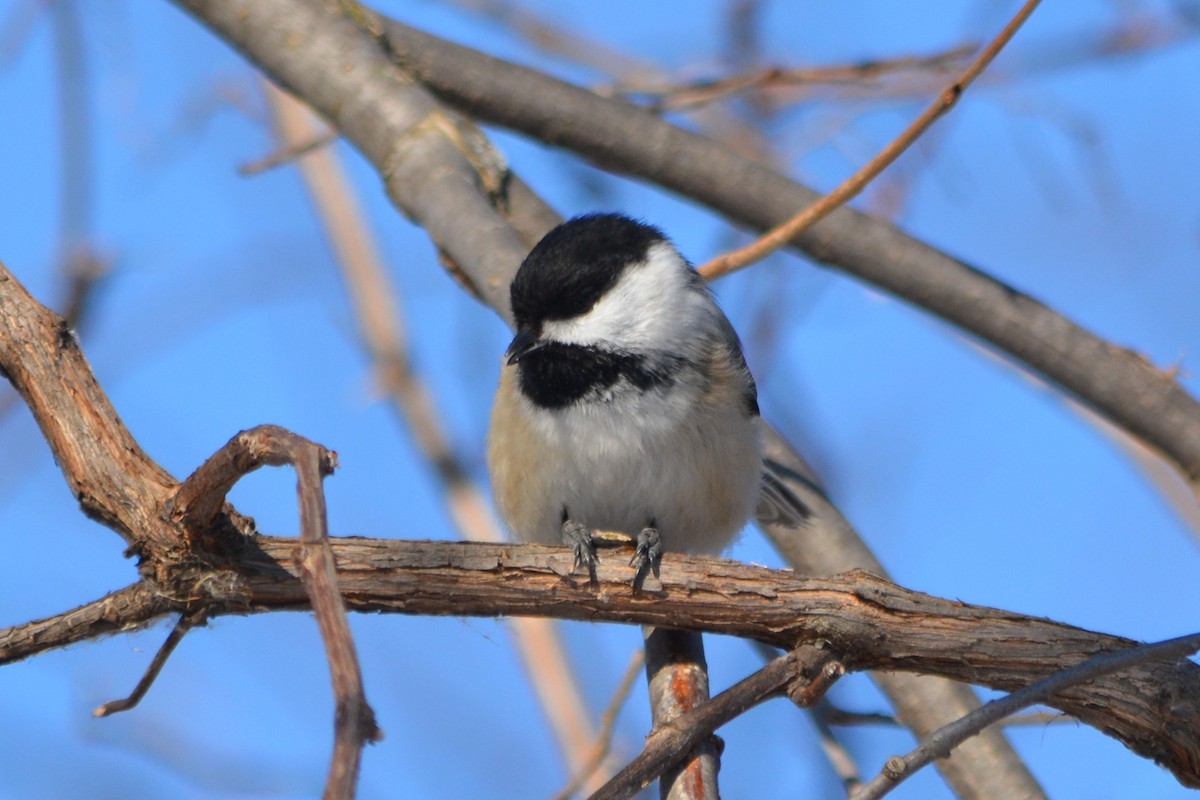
(945,739)
(124,610)
(200,498)
(863,620)
(846,191)
(803,669)
(677,681)
(113,480)
(868,622)
(181,628)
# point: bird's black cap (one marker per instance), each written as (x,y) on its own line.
(571,268)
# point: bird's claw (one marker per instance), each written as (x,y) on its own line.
(578,537)
(647,553)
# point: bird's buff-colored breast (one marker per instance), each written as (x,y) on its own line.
(695,480)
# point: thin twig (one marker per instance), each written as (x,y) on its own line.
(181,628)
(946,738)
(840,717)
(686,96)
(287,153)
(629,72)
(839,757)
(79,265)
(782,234)
(669,743)
(540,33)
(608,724)
(354,720)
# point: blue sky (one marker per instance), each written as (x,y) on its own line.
(224,309)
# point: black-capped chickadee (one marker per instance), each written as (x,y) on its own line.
(625,403)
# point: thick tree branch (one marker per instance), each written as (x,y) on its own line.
(113,480)
(677,681)
(863,620)
(868,622)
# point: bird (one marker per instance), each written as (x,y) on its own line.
(625,403)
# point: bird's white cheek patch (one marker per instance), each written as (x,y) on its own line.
(646,310)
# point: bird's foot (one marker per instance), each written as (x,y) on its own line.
(578,537)
(647,554)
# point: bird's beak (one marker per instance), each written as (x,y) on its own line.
(525,342)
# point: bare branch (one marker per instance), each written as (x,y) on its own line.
(204,492)
(836,753)
(354,721)
(197,501)
(1150,707)
(185,624)
(672,740)
(684,96)
(950,736)
(677,680)
(126,609)
(115,482)
(288,153)
(780,235)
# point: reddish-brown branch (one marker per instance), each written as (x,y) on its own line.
(115,482)
(196,505)
(780,235)
(865,621)
(677,679)
(805,674)
(185,624)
